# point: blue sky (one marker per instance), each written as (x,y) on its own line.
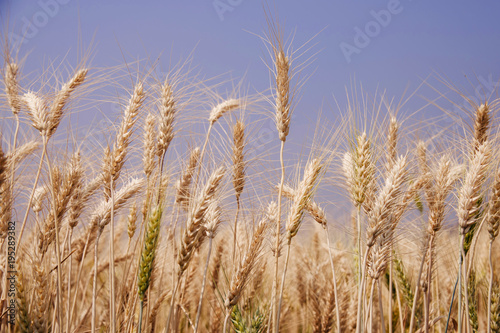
(400,43)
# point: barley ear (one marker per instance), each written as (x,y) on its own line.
(392,140)
(470,192)
(183,194)
(238,158)
(481,126)
(62,97)
(386,203)
(123,136)
(328,314)
(39,112)
(246,267)
(12,87)
(222,108)
(302,197)
(194,233)
(167,118)
(493,214)
(132,220)
(149,155)
(495,309)
(362,177)
(282,77)
(23,314)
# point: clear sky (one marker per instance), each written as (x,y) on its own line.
(387,44)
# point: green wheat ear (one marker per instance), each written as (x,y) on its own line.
(473,319)
(404,281)
(149,250)
(237,319)
(254,324)
(469,236)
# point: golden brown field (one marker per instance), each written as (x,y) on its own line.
(169,220)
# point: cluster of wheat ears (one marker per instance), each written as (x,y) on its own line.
(149,235)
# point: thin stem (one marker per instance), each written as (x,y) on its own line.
(132,310)
(236,228)
(94,286)
(225,321)
(417,288)
(466,290)
(198,314)
(203,153)
(390,291)
(13,163)
(112,260)
(80,268)
(451,303)
(11,189)
(398,296)
(370,306)
(139,328)
(68,324)
(359,321)
(44,151)
(283,284)
(426,320)
(427,294)
(56,245)
(337,305)
(277,244)
(460,262)
(380,305)
(490,287)
(172,303)
(358,224)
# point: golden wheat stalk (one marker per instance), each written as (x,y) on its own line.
(183,195)
(391,154)
(379,219)
(436,191)
(99,220)
(112,167)
(194,234)
(245,269)
(215,114)
(468,209)
(302,196)
(212,221)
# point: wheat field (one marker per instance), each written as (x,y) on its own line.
(169,219)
